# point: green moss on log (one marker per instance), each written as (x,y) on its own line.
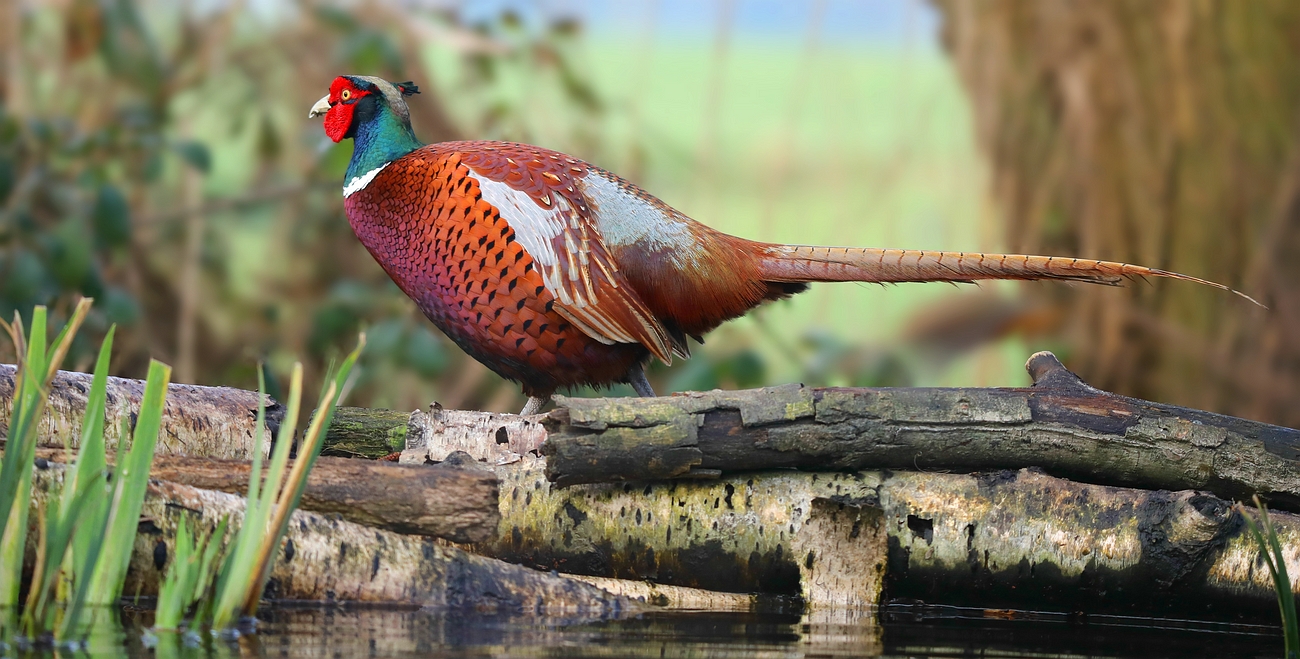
(358,432)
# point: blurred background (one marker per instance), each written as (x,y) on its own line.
(156,155)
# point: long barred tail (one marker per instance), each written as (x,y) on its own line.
(799,263)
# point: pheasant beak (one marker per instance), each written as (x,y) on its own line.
(322,106)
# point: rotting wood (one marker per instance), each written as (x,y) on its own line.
(1060,424)
(1010,539)
(1013,539)
(327,559)
(445,501)
(489,437)
(214,422)
(675,597)
(358,432)
(736,534)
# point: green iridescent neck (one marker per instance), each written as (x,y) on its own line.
(382,139)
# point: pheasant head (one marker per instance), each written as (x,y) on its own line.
(372,112)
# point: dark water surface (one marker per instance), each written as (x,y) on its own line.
(896,632)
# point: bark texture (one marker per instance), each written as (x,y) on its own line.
(212,422)
(1008,539)
(324,558)
(358,432)
(1012,539)
(1165,133)
(446,501)
(1060,424)
(492,438)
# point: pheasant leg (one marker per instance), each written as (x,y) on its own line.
(534,405)
(636,378)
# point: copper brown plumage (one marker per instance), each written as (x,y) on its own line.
(425,221)
(555,273)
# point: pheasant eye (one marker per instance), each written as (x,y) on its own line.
(346,95)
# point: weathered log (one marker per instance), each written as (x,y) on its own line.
(358,432)
(445,501)
(215,422)
(1004,539)
(327,559)
(492,438)
(675,597)
(1060,424)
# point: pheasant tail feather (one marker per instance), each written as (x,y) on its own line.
(799,263)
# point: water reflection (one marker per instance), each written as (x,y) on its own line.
(905,631)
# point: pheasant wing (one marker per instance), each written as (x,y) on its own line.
(555,226)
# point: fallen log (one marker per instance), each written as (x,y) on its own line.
(1011,539)
(358,432)
(324,558)
(214,422)
(445,501)
(1060,424)
(841,541)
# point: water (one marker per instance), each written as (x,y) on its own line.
(896,632)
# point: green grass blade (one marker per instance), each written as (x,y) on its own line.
(297,481)
(177,584)
(1271,551)
(55,540)
(232,580)
(22,437)
(93,523)
(130,483)
(87,471)
(14,542)
(91,452)
(16,470)
(210,560)
(271,491)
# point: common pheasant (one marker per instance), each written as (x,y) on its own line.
(555,273)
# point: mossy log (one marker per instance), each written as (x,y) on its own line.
(443,501)
(212,422)
(324,558)
(1004,539)
(358,432)
(1060,424)
(1010,539)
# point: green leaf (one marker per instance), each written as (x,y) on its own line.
(130,483)
(87,475)
(196,154)
(111,217)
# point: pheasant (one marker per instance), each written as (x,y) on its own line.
(555,273)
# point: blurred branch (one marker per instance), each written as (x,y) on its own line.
(10,54)
(189,283)
(229,204)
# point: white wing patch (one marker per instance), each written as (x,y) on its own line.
(535,227)
(576,269)
(359,183)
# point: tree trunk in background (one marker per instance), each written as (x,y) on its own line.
(1161,133)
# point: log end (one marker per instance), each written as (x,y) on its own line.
(1048,372)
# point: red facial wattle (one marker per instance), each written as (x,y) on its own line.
(343,97)
(338,119)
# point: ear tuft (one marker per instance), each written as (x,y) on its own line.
(407,88)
